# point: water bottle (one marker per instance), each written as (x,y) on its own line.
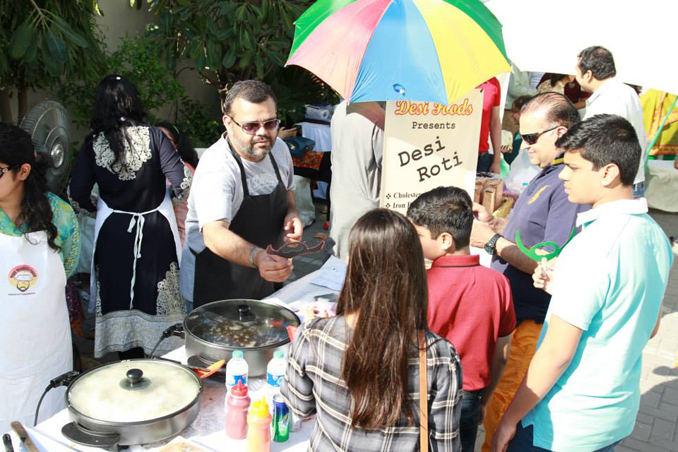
(236,370)
(275,373)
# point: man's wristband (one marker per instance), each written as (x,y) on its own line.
(252,254)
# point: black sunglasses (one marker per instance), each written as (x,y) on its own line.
(531,138)
(251,128)
(294,249)
(7,169)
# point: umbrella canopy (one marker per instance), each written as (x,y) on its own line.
(417,50)
(545,36)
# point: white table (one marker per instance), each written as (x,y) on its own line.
(208,428)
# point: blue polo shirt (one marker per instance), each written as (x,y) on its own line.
(609,282)
(541,214)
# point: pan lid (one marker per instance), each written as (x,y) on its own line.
(134,391)
(241,323)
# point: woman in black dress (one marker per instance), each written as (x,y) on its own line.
(135,274)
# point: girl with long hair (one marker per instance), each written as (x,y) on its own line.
(359,370)
(135,269)
(40,244)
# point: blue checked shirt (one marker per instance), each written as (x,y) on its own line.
(313,385)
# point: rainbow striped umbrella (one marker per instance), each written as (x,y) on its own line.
(417,50)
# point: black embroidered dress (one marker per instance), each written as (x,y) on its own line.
(136,267)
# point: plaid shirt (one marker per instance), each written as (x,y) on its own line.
(313,384)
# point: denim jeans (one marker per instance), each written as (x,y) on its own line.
(522,442)
(468,424)
(638,190)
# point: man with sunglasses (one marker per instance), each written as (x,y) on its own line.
(241,201)
(541,214)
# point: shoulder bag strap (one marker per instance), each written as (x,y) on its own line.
(423,394)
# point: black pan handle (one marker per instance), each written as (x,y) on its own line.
(176,330)
(85,437)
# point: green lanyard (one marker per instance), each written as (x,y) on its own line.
(532,252)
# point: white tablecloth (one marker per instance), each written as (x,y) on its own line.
(208,428)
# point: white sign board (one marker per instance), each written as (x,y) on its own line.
(429,145)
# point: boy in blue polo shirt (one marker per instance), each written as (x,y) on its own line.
(581,392)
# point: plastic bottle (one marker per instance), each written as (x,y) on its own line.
(236,370)
(237,403)
(259,427)
(275,373)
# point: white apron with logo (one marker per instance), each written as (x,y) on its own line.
(136,227)
(35,334)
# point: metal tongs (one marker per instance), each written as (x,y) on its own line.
(294,249)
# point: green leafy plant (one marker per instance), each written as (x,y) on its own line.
(231,40)
(42,41)
(227,40)
(201,129)
(294,88)
(137,60)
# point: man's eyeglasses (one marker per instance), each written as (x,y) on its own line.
(7,169)
(251,128)
(531,138)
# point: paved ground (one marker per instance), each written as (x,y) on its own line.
(657,422)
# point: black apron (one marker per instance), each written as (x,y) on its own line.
(259,221)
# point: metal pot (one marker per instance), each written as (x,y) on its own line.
(129,402)
(258,328)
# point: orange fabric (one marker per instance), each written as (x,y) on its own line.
(310,159)
(523,346)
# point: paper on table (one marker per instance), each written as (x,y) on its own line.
(332,274)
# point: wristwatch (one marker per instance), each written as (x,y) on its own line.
(491,246)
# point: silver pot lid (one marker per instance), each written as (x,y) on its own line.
(134,391)
(241,323)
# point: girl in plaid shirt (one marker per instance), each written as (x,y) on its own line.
(359,371)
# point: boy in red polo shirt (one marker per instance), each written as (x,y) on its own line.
(469,305)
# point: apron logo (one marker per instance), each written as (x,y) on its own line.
(536,195)
(23,277)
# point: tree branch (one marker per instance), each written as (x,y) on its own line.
(43,18)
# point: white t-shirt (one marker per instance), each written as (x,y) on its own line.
(616,98)
(217,193)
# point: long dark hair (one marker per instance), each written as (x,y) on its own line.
(16,149)
(117,105)
(182,143)
(386,287)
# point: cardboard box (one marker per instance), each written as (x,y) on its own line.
(489,192)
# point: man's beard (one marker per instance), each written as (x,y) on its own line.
(250,151)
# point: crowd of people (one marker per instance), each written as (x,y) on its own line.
(516,347)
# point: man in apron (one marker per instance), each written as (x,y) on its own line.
(241,201)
